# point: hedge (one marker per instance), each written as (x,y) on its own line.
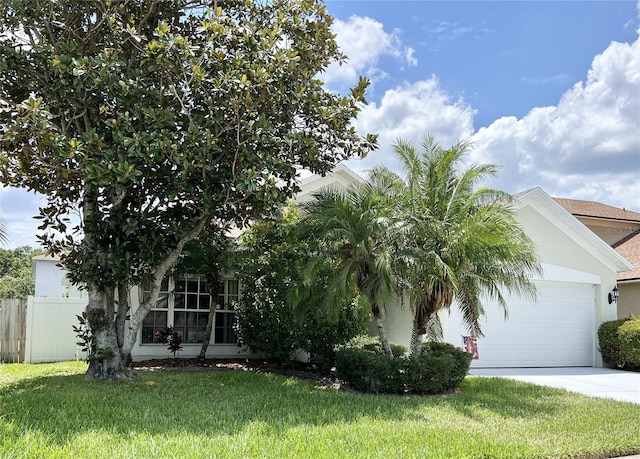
(619,342)
(440,368)
(629,335)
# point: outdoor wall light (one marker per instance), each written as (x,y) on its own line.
(613,295)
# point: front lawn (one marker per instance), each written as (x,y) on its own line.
(49,411)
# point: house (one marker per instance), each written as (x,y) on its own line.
(183,304)
(620,228)
(559,329)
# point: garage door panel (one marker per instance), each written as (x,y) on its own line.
(557,330)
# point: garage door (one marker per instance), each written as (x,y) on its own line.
(557,330)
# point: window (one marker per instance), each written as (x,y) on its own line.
(157,317)
(224,331)
(185,304)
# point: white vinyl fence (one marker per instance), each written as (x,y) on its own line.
(49,335)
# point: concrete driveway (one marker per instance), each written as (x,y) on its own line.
(594,382)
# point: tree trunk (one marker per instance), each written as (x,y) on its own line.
(121,319)
(212,284)
(416,338)
(107,361)
(384,341)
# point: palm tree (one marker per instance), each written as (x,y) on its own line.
(458,240)
(354,227)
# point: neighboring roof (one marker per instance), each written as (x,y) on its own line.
(629,247)
(49,257)
(597,210)
(569,224)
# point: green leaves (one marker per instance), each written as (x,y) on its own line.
(153,113)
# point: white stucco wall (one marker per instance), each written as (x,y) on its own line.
(566,258)
(50,279)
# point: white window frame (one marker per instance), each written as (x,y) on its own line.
(224,305)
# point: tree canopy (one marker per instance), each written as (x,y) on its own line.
(155,119)
(16,278)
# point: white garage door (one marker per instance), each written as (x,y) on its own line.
(557,330)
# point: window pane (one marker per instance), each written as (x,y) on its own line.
(224,332)
(154,321)
(203,319)
(192,319)
(192,286)
(233,287)
(178,301)
(160,318)
(192,301)
(203,286)
(147,335)
(204,301)
(179,319)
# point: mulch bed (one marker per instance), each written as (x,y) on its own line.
(308,371)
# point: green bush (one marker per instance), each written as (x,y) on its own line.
(267,321)
(629,338)
(610,343)
(619,342)
(438,369)
(371,343)
(461,364)
(369,371)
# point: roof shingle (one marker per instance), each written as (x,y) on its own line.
(597,210)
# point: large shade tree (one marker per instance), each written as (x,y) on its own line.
(156,119)
(457,239)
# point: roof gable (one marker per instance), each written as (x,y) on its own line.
(573,228)
(341,177)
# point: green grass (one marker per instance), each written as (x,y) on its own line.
(50,411)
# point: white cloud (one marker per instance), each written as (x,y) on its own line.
(586,147)
(365,41)
(410,58)
(410,112)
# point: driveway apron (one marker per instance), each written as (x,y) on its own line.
(595,382)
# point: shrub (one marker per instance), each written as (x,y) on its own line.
(321,334)
(371,343)
(462,360)
(267,320)
(439,368)
(369,371)
(629,339)
(609,342)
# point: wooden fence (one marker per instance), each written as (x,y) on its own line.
(13,314)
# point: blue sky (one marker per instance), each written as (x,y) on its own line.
(549,90)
